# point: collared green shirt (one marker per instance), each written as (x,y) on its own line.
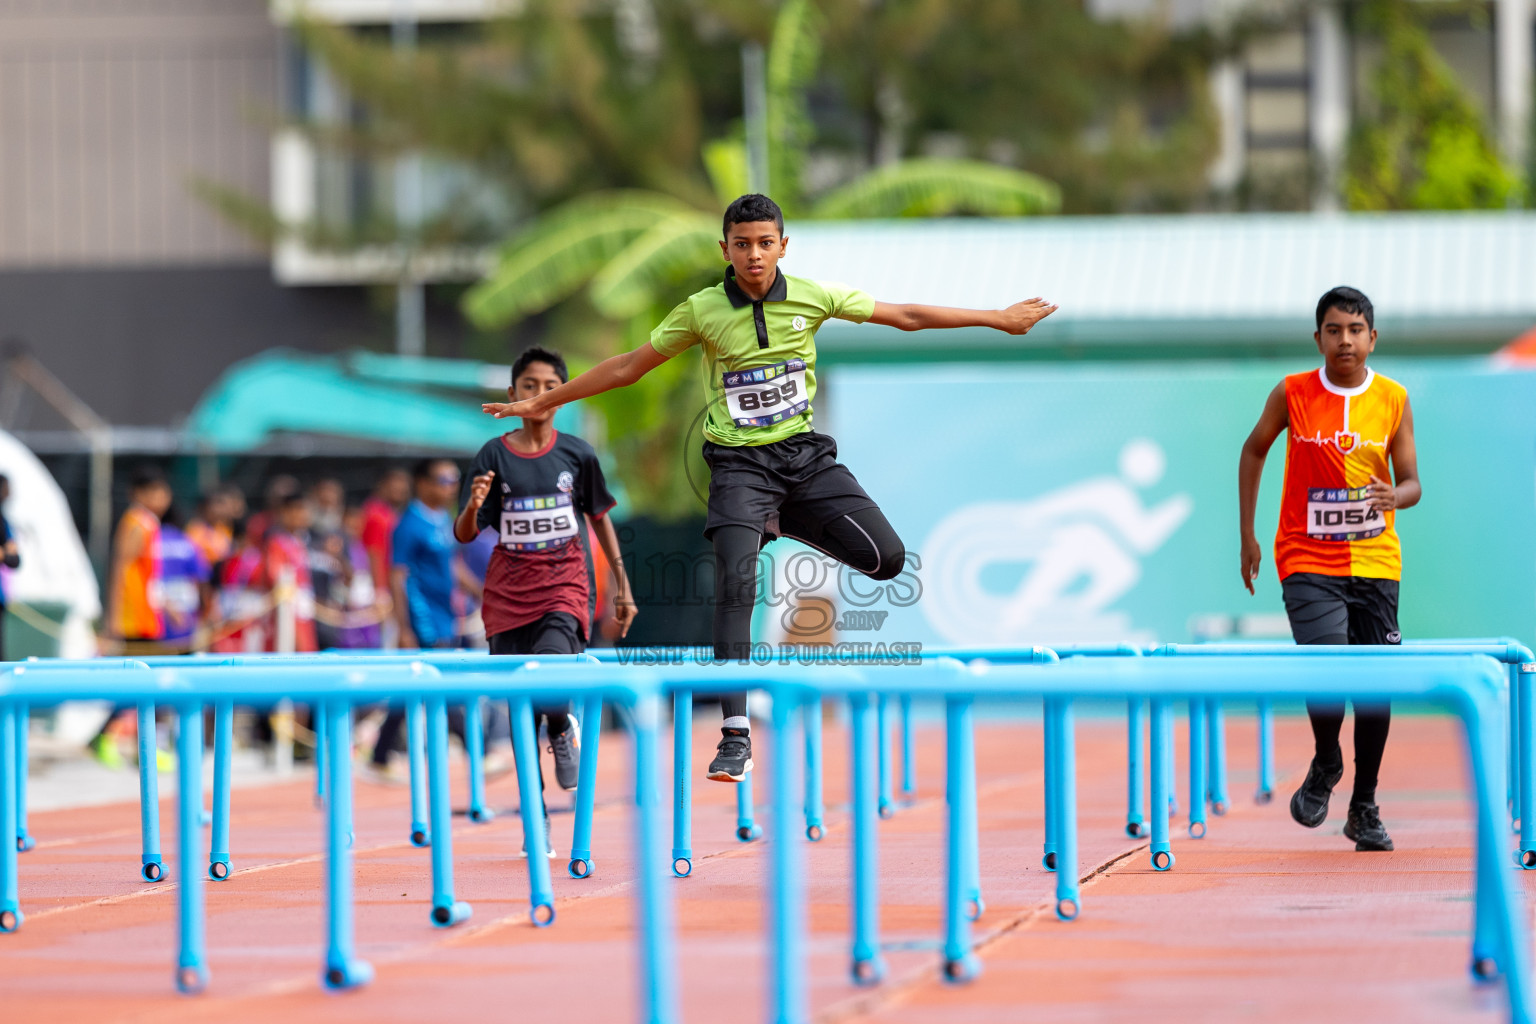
(759,357)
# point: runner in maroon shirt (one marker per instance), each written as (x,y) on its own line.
(537,487)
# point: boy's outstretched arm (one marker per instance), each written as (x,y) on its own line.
(1016,319)
(1250,469)
(614,372)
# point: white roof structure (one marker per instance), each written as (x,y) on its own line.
(1441,279)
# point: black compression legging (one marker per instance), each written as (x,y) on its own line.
(1372,723)
(862,540)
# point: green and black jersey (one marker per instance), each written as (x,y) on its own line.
(759,356)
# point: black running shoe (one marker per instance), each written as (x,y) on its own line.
(566,746)
(1365,828)
(1310,804)
(733,758)
(548,841)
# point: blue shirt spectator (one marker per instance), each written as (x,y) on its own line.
(424,547)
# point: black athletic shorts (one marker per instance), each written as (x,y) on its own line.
(553,633)
(791,487)
(1341,609)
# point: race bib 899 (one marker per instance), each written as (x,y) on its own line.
(537,524)
(1342,513)
(766,395)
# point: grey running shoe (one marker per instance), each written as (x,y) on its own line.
(1310,804)
(1365,828)
(566,746)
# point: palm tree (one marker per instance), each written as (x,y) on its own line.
(632,250)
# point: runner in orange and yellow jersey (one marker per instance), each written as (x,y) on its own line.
(1349,436)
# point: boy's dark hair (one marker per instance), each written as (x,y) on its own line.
(145,477)
(423,469)
(750,209)
(539,354)
(1346,300)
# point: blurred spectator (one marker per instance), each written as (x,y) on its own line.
(470,566)
(366,604)
(185,575)
(10,558)
(242,603)
(423,580)
(278,490)
(328,501)
(285,549)
(213,528)
(381,513)
(135,594)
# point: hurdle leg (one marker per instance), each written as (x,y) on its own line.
(747,828)
(1525,781)
(10,896)
(342,967)
(24,840)
(1170,762)
(1048,742)
(1216,730)
(1512,753)
(814,830)
(975,906)
(908,756)
(887,796)
(446,911)
(655,938)
(682,783)
(1068,898)
(525,750)
(786,910)
(1136,749)
(192,956)
(1162,778)
(474,748)
(151,868)
(868,966)
(317,711)
(416,746)
(1266,791)
(580,865)
(1197,749)
(223,748)
(960,964)
(1499,927)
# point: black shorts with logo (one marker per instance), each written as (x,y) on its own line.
(792,487)
(1341,609)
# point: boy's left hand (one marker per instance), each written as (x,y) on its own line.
(1383,495)
(1021,316)
(624,611)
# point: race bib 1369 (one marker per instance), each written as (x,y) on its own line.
(537,524)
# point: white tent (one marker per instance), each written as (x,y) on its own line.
(54,566)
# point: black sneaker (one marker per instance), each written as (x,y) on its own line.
(1310,804)
(549,841)
(1365,828)
(566,746)
(733,758)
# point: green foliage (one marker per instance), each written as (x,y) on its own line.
(940,188)
(1425,146)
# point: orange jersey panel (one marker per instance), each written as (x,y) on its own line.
(1337,439)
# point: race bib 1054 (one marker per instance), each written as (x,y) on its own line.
(1342,513)
(537,524)
(766,395)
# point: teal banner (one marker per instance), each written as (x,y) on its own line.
(1099,504)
